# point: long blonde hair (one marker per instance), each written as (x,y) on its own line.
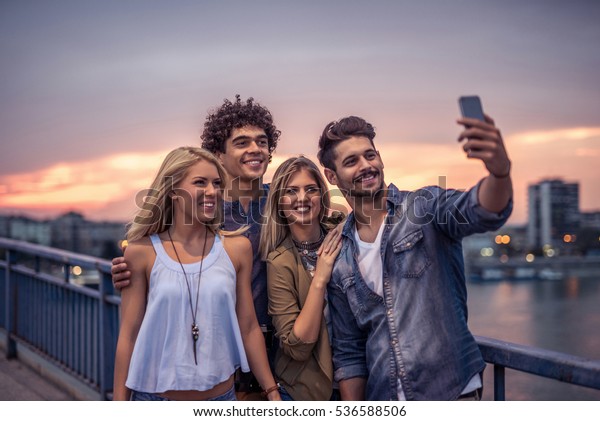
(276,227)
(155,214)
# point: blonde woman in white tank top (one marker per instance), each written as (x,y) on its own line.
(187,320)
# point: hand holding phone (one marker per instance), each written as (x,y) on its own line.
(470,107)
(483,141)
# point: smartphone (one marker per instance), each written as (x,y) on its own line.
(470,106)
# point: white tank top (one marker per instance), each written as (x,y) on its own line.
(163,357)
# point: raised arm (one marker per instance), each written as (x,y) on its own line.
(133,307)
(484,142)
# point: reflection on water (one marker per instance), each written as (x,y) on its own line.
(559,315)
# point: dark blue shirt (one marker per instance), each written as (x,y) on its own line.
(236,217)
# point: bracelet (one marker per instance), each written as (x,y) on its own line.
(503,175)
(498,177)
(265,393)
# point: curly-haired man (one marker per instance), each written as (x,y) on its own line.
(220,124)
(242,135)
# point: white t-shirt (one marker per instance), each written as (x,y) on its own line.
(370,262)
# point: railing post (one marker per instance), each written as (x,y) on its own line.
(67,272)
(11,308)
(499,383)
(105,340)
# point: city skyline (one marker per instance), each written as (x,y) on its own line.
(568,208)
(96,94)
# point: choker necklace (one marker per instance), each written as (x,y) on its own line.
(306,247)
(308,253)
(194,310)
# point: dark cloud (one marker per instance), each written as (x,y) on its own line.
(83,79)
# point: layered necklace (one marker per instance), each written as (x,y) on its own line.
(193,309)
(308,252)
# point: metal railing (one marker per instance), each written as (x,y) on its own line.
(76,326)
(69,319)
(541,362)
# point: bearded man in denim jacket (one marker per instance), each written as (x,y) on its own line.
(397,295)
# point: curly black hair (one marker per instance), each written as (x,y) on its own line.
(233,115)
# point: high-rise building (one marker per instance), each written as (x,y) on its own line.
(30,230)
(70,231)
(590,220)
(553,212)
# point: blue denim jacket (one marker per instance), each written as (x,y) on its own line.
(418,330)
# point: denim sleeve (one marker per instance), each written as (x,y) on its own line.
(459,214)
(348,340)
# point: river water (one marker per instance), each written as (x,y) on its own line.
(559,315)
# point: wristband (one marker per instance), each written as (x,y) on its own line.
(265,393)
(499,177)
(503,175)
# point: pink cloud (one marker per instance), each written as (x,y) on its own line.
(106,187)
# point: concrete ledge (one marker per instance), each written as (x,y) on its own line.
(53,375)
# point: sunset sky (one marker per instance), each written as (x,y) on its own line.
(94,94)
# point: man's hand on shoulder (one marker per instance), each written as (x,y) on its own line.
(120,273)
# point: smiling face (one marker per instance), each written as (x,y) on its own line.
(197,196)
(358,168)
(246,153)
(300,201)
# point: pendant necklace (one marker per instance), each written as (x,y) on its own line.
(193,309)
(308,252)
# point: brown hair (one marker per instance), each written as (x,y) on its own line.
(338,131)
(276,228)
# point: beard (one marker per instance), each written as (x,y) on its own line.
(367,194)
(375,193)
